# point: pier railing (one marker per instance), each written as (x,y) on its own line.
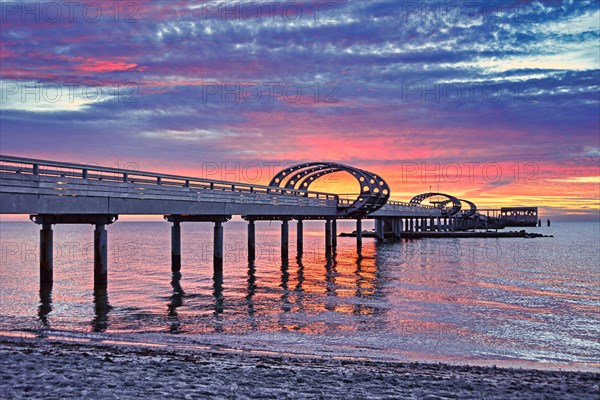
(392,203)
(43,177)
(67,178)
(404,204)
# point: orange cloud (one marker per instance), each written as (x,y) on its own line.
(92,65)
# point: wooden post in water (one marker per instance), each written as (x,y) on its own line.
(328,237)
(285,230)
(334,234)
(397,227)
(218,249)
(359,236)
(251,241)
(100,255)
(46,260)
(300,237)
(176,247)
(380,229)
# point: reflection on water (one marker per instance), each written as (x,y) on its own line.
(219,306)
(175,301)
(250,291)
(102,308)
(438,299)
(45,307)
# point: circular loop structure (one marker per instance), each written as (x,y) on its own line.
(466,214)
(456,205)
(374,191)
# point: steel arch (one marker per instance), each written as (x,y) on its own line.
(456,205)
(374,191)
(466,214)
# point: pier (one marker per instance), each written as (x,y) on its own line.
(54,193)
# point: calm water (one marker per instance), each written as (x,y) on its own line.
(523,302)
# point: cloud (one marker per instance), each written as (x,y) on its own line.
(590,151)
(371,83)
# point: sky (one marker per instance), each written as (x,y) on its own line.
(496,102)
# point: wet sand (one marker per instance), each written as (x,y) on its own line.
(40,368)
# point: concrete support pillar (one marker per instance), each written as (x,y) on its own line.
(285,239)
(251,241)
(452,224)
(176,247)
(334,234)
(412,224)
(328,236)
(397,227)
(100,255)
(359,236)
(46,259)
(300,237)
(218,248)
(438,224)
(380,229)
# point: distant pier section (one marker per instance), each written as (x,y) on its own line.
(518,216)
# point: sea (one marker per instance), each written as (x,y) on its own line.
(516,302)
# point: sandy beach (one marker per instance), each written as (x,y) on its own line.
(40,368)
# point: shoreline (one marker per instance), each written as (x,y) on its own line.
(274,345)
(50,368)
